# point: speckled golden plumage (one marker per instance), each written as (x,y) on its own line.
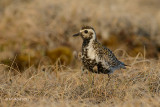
(95,54)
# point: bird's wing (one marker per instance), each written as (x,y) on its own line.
(110,58)
(112,61)
(107,57)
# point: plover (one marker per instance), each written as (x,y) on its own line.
(95,57)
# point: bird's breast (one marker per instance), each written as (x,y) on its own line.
(91,52)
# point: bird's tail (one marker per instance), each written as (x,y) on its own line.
(126,66)
(123,65)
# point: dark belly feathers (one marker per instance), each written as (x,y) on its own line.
(89,64)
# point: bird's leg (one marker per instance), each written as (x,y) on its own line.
(109,78)
(91,78)
(95,69)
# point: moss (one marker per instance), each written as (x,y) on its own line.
(111,41)
(64,54)
(27,58)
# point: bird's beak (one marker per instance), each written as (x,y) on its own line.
(77,34)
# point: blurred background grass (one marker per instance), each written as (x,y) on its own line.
(30,30)
(36,36)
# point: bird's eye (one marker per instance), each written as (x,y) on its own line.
(86,31)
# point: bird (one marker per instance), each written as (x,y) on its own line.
(95,57)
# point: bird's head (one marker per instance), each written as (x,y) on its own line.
(86,32)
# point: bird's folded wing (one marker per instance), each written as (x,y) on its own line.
(107,58)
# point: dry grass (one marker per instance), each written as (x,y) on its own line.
(31,73)
(60,86)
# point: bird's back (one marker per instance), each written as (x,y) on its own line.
(107,58)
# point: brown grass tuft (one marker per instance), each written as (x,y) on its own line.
(138,85)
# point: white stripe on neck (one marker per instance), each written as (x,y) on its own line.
(91,51)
